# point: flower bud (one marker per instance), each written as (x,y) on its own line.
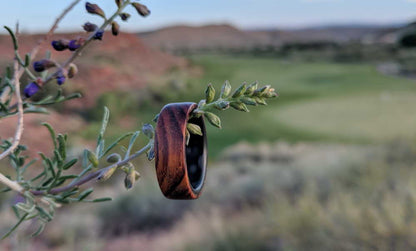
(148,130)
(194,129)
(92,158)
(89,27)
(239,106)
(225,90)
(115,28)
(43,64)
(239,91)
(130,178)
(260,101)
(261,91)
(213,119)
(75,44)
(251,88)
(60,78)
(72,70)
(106,174)
(113,158)
(222,105)
(118,2)
(151,153)
(60,45)
(187,136)
(248,101)
(94,9)
(98,34)
(141,9)
(209,94)
(124,16)
(31,89)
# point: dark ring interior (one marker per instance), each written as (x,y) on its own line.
(196,156)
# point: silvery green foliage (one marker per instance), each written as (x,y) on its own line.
(60,177)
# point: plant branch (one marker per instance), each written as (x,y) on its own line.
(95,174)
(87,42)
(19,129)
(35,49)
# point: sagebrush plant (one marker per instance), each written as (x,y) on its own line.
(54,185)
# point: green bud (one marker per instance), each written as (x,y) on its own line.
(213,119)
(194,129)
(92,158)
(113,158)
(222,105)
(148,130)
(251,88)
(260,101)
(261,91)
(248,101)
(225,90)
(240,90)
(106,174)
(209,94)
(239,106)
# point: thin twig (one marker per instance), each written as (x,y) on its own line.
(19,129)
(35,49)
(95,174)
(86,43)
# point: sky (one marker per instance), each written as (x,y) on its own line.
(37,16)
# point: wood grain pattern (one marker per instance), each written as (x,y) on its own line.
(171,153)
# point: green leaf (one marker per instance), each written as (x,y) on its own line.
(104,123)
(15,226)
(44,214)
(68,177)
(52,132)
(14,39)
(27,60)
(62,146)
(48,164)
(39,230)
(102,199)
(115,143)
(131,143)
(85,194)
(69,164)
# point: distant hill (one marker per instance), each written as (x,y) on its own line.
(211,37)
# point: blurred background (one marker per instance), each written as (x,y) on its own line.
(329,165)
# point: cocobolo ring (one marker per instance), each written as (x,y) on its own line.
(180,168)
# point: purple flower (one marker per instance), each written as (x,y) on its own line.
(74,44)
(94,9)
(141,9)
(89,27)
(124,16)
(98,34)
(60,78)
(43,64)
(59,45)
(31,89)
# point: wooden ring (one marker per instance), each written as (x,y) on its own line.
(180,168)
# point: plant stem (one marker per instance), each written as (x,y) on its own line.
(87,42)
(95,174)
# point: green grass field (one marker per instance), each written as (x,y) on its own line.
(318,101)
